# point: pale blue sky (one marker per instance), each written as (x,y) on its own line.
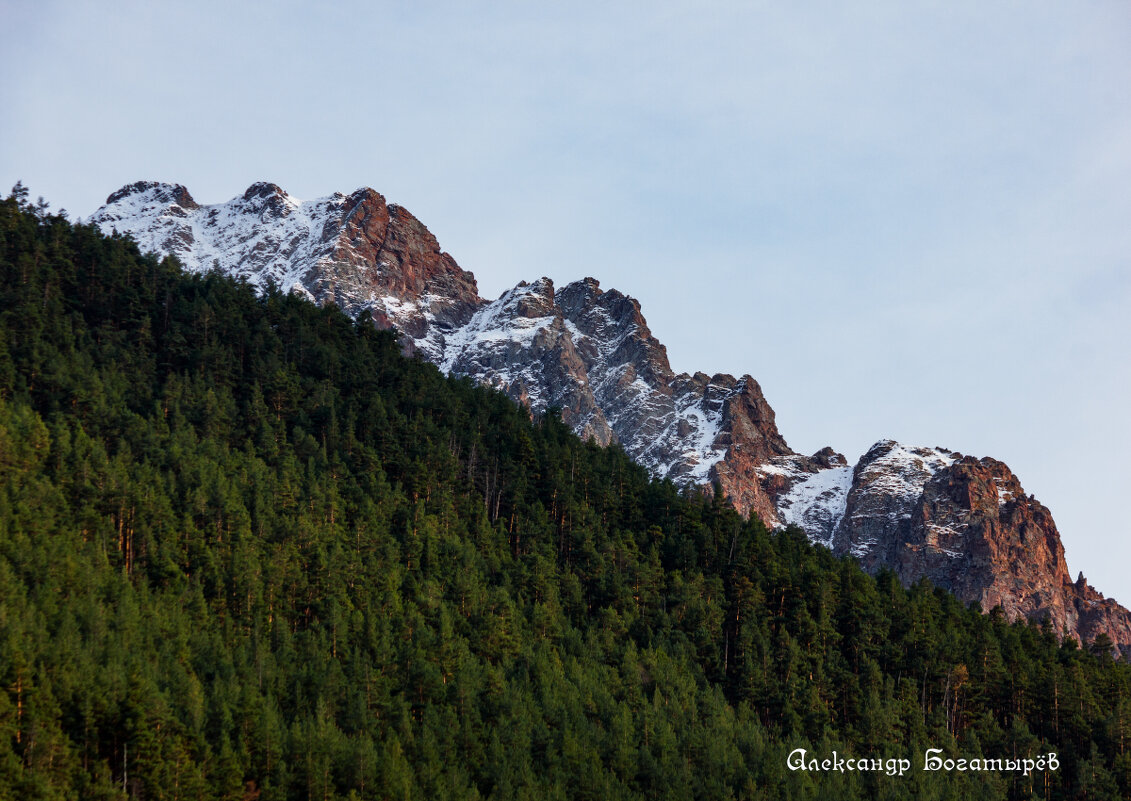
(905,220)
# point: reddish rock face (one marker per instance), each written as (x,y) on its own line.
(967,525)
(409,266)
(364,254)
(750,435)
(976,533)
(408,257)
(964,523)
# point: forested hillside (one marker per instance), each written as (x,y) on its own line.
(249,551)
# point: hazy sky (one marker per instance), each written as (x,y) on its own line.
(905,220)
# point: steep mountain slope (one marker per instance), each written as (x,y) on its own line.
(250,551)
(586,351)
(923,512)
(356,251)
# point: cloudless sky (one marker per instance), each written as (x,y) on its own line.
(905,220)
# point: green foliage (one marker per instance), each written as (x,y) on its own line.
(248,550)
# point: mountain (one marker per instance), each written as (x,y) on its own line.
(964,523)
(585,351)
(249,550)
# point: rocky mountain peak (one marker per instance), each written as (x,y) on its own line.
(262,190)
(356,251)
(154,192)
(268,200)
(533,300)
(578,298)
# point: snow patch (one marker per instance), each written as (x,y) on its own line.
(494,328)
(902,471)
(816,502)
(233,237)
(1004,495)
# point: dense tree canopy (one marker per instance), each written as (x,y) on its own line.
(248,550)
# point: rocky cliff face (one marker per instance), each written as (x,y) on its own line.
(353,250)
(964,523)
(585,351)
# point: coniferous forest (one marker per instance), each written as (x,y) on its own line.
(249,551)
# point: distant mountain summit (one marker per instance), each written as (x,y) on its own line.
(964,523)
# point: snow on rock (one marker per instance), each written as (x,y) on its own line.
(504,328)
(353,250)
(1005,494)
(522,345)
(264,235)
(900,472)
(815,501)
(887,485)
